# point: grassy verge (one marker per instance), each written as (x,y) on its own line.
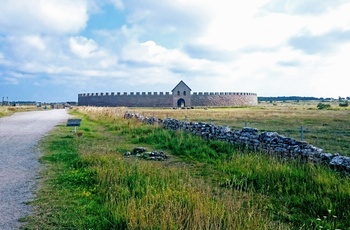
(8,110)
(206,185)
(67,198)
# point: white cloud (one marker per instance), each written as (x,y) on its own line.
(118,4)
(83,47)
(331,75)
(272,47)
(336,18)
(43,16)
(35,41)
(302,7)
(10,80)
(249,24)
(149,55)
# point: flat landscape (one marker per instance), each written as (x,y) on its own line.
(90,182)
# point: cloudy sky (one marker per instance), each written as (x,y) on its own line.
(51,50)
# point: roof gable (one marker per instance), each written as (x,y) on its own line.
(181,83)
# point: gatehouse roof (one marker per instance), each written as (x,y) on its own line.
(181,83)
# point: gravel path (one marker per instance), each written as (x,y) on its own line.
(19,166)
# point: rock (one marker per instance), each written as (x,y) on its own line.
(139,150)
(341,163)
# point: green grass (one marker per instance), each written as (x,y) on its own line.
(205,184)
(67,199)
(299,193)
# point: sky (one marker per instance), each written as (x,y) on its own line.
(52,50)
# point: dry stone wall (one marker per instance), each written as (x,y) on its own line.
(269,142)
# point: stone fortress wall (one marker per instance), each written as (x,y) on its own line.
(137,99)
(180,96)
(224,99)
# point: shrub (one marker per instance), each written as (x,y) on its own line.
(344,104)
(323,106)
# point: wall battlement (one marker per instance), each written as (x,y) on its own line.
(121,94)
(158,93)
(180,96)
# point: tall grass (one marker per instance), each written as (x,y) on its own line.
(299,193)
(154,195)
(9,110)
(145,195)
(204,185)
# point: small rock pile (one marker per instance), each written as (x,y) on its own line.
(269,142)
(148,120)
(141,152)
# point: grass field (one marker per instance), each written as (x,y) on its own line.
(327,129)
(89,184)
(8,110)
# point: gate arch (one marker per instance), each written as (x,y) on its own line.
(181,103)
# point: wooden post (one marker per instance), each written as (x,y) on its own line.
(302,133)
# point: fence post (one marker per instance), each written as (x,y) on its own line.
(302,133)
(245,124)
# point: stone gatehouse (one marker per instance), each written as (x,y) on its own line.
(180,96)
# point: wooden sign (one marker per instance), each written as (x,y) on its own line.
(73,122)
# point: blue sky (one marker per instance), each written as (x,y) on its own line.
(51,50)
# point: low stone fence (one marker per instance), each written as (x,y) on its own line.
(269,142)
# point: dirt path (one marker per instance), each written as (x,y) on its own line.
(19,166)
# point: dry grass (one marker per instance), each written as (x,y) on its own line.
(8,110)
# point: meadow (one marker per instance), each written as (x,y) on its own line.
(89,183)
(327,129)
(9,110)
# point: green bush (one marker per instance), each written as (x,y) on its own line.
(344,104)
(323,106)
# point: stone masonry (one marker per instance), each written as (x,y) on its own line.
(179,97)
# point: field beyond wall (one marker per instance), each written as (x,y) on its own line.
(326,129)
(90,184)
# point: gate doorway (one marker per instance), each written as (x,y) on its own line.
(181,103)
